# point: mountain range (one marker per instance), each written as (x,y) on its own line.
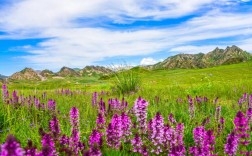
(217,57)
(30,74)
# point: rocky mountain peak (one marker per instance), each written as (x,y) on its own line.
(46,73)
(95,70)
(67,72)
(26,74)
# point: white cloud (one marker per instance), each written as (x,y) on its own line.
(76,44)
(30,14)
(148,61)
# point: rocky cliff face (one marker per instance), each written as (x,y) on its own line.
(230,55)
(26,74)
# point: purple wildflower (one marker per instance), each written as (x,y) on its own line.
(95,139)
(54,126)
(126,126)
(231,145)
(14,97)
(75,136)
(209,142)
(198,99)
(168,136)
(157,135)
(5,93)
(171,119)
(11,147)
(64,140)
(191,107)
(177,145)
(221,125)
(94,99)
(204,140)
(102,107)
(241,128)
(74,141)
(74,117)
(140,110)
(137,144)
(150,128)
(114,105)
(51,105)
(144,151)
(114,132)
(198,136)
(48,146)
(177,151)
(30,150)
(124,104)
(206,121)
(180,133)
(100,121)
(81,146)
(37,103)
(94,151)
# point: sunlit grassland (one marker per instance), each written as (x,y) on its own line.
(226,82)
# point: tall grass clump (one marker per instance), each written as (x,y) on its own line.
(126,81)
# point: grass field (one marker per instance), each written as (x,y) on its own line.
(166,92)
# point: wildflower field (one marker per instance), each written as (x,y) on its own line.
(199,112)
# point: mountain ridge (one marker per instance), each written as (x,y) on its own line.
(216,57)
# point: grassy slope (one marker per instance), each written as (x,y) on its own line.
(226,82)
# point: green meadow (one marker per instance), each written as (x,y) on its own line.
(161,88)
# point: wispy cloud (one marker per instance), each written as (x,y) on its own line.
(77,44)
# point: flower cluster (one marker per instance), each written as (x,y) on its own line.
(231,145)
(114,132)
(126,126)
(120,129)
(75,135)
(241,128)
(204,141)
(157,133)
(140,110)
(48,146)
(54,126)
(51,105)
(100,121)
(137,144)
(11,147)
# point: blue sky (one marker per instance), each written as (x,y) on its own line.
(49,34)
